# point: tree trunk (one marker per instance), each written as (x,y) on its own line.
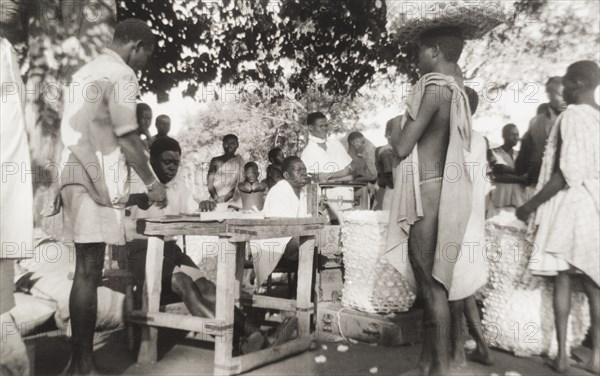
(63,35)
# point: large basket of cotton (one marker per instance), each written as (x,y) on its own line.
(371,284)
(517,307)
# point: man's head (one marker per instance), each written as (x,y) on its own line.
(276,156)
(357,141)
(163,125)
(294,171)
(581,80)
(230,144)
(144,116)
(165,154)
(554,89)
(473,99)
(439,46)
(317,125)
(134,41)
(510,134)
(251,172)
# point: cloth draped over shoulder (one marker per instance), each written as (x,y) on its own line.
(565,230)
(456,195)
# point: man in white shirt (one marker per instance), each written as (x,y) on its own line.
(287,199)
(328,160)
(181,276)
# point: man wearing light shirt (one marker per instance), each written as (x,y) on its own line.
(100,133)
(328,160)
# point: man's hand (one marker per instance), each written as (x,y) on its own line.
(53,202)
(523,212)
(207,206)
(157,194)
(140,200)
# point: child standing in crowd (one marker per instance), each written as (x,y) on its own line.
(274,174)
(251,190)
(144,119)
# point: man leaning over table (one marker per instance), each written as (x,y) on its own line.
(328,160)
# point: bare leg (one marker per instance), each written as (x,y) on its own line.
(562,307)
(83,306)
(456,333)
(593,293)
(183,286)
(482,353)
(436,318)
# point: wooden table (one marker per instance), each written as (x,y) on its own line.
(233,234)
(365,202)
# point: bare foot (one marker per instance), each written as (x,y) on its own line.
(591,366)
(459,359)
(252,343)
(286,331)
(482,357)
(73,369)
(560,364)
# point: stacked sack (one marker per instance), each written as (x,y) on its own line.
(371,283)
(518,309)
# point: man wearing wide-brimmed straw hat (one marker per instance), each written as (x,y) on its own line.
(433,189)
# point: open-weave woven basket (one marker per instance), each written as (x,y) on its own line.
(518,309)
(408,20)
(371,283)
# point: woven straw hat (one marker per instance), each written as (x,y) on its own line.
(473,19)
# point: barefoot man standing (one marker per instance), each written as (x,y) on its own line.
(433,192)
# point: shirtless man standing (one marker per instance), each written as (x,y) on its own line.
(437,220)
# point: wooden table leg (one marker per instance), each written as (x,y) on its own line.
(240,257)
(151,298)
(226,287)
(303,292)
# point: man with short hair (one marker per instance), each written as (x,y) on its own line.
(565,224)
(362,152)
(508,191)
(286,199)
(102,142)
(328,160)
(533,143)
(226,172)
(163,126)
(181,277)
(429,213)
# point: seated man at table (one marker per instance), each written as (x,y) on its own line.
(327,160)
(181,277)
(286,199)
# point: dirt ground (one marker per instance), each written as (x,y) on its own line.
(181,356)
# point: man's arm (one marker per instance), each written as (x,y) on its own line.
(405,139)
(133,148)
(210,179)
(556,183)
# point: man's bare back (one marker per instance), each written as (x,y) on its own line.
(433,144)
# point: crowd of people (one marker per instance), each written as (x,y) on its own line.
(552,182)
